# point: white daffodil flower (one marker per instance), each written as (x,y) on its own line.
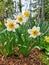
(26,14)
(34,32)
(11,25)
(20,19)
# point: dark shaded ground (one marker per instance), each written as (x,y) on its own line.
(31,59)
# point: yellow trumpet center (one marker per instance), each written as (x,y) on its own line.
(35,32)
(26,13)
(11,25)
(20,18)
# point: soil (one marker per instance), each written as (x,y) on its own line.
(31,59)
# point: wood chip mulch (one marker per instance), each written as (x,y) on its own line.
(31,59)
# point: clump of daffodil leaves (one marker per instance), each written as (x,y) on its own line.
(21,36)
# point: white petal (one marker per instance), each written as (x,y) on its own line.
(16,26)
(34,28)
(8,29)
(39,33)
(38,28)
(33,36)
(13,30)
(25,19)
(29,31)
(30,36)
(16,21)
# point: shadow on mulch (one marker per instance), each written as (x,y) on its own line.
(31,59)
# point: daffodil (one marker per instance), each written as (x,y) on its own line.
(34,32)
(20,19)
(11,25)
(26,14)
(47,39)
(34,14)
